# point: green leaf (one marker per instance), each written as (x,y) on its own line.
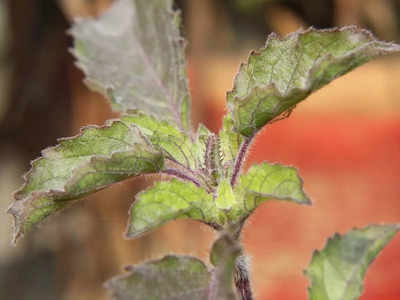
(230,142)
(168,201)
(172,277)
(287,70)
(134,54)
(180,277)
(337,272)
(225,197)
(81,165)
(264,182)
(167,138)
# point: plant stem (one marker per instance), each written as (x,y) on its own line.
(179,174)
(242,280)
(240,159)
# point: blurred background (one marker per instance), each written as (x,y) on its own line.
(345,140)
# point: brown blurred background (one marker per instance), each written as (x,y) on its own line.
(345,140)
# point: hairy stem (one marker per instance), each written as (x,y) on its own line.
(242,280)
(240,159)
(208,158)
(179,174)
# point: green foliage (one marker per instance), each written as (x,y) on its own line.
(287,70)
(180,277)
(337,272)
(230,143)
(268,181)
(175,199)
(169,201)
(81,165)
(172,277)
(167,138)
(134,55)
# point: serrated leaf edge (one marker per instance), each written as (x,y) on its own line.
(301,182)
(16,207)
(336,236)
(307,89)
(140,267)
(128,235)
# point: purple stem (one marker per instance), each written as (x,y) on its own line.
(242,281)
(179,174)
(240,159)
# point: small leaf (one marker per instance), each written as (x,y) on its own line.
(78,166)
(287,70)
(175,145)
(172,277)
(230,142)
(134,55)
(337,272)
(268,181)
(168,201)
(225,197)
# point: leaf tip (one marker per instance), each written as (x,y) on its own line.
(18,231)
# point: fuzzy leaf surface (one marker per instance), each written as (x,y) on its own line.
(225,197)
(94,159)
(171,200)
(167,138)
(181,277)
(134,55)
(172,277)
(287,70)
(230,142)
(265,182)
(337,272)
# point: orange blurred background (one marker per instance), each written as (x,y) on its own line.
(345,141)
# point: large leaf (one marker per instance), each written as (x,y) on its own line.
(287,70)
(171,200)
(337,272)
(172,277)
(80,165)
(264,182)
(134,55)
(181,277)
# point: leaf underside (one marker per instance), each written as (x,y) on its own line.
(180,277)
(171,277)
(287,70)
(134,55)
(337,272)
(96,158)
